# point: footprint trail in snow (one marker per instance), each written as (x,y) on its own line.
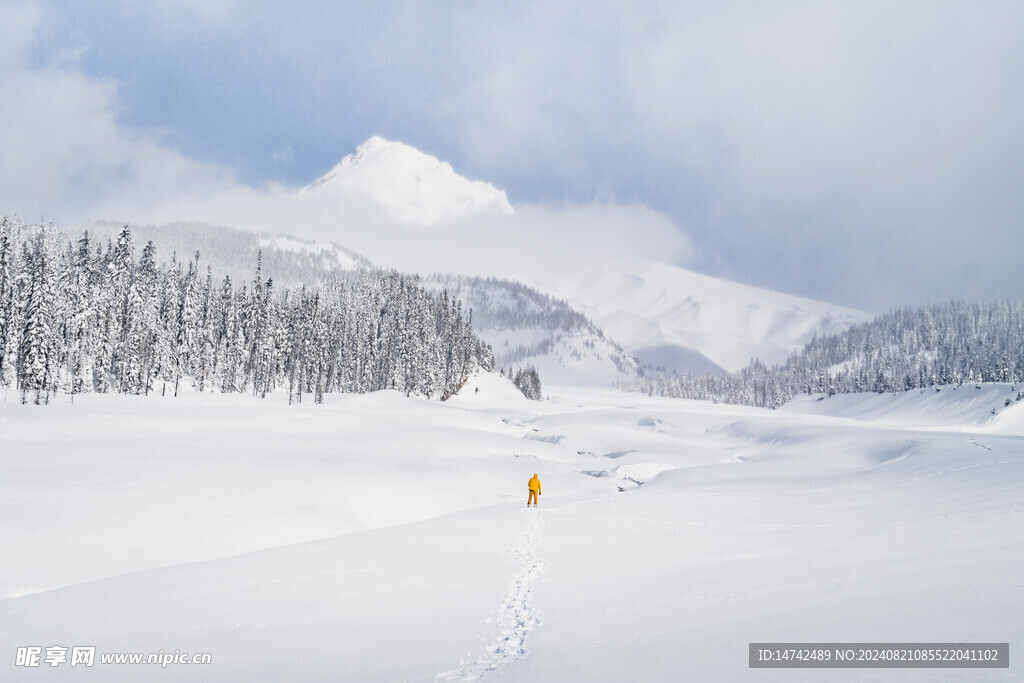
(516,617)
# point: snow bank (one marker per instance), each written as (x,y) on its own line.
(968,406)
(488,390)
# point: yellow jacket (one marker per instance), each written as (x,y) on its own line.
(535,484)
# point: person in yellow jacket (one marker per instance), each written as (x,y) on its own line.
(534,491)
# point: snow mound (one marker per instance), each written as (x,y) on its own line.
(411,186)
(636,474)
(488,390)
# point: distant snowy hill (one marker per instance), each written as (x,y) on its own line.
(675,318)
(528,328)
(411,186)
(288,260)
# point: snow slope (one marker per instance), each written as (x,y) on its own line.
(290,261)
(987,407)
(527,328)
(667,315)
(380,538)
(411,186)
(332,257)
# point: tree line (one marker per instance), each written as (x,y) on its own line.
(910,348)
(78,316)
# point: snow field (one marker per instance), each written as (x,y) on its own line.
(119,483)
(517,617)
(380,538)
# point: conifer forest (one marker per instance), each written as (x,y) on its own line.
(912,348)
(79,316)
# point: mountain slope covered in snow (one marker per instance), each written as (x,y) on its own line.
(290,261)
(525,327)
(663,314)
(412,187)
(938,346)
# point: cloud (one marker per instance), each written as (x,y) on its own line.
(69,156)
(802,143)
(865,153)
(206,11)
(537,243)
(65,152)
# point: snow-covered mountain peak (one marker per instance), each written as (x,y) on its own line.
(411,186)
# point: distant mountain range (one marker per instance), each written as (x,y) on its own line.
(591,328)
(679,320)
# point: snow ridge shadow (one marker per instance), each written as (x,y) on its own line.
(516,616)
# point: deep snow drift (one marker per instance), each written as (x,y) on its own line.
(381,538)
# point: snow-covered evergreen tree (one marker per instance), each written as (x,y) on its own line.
(8,313)
(149,317)
(39,350)
(528,381)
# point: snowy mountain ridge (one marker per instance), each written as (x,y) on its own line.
(526,327)
(669,316)
(409,185)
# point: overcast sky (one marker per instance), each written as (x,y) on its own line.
(868,154)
